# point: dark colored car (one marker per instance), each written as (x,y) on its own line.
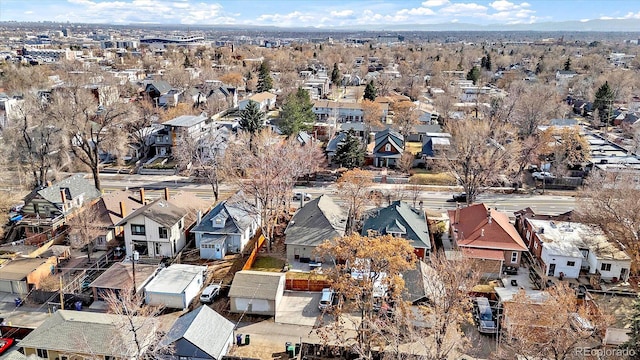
(461,197)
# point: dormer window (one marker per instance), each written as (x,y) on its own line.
(218,221)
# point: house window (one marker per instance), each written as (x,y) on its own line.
(183,358)
(163,232)
(514,257)
(605,267)
(535,244)
(528,234)
(42,353)
(181,224)
(387,147)
(137,229)
(571,263)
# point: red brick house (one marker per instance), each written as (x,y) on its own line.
(486,234)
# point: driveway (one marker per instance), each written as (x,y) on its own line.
(298,308)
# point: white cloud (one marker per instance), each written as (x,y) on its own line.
(465,9)
(435,3)
(421,11)
(342,13)
(632,15)
(29,12)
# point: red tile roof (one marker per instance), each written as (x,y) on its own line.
(475,230)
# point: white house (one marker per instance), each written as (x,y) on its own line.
(175,286)
(256,292)
(155,230)
(227,228)
(266,101)
(566,248)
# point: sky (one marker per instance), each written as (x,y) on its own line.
(317,13)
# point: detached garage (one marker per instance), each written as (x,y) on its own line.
(20,275)
(175,286)
(256,292)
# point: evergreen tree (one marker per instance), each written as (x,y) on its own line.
(567,64)
(633,344)
(370,91)
(483,62)
(187,62)
(350,152)
(297,113)
(474,75)
(336,77)
(251,118)
(603,102)
(487,64)
(265,83)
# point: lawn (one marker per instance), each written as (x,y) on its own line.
(268,263)
(413,147)
(433,179)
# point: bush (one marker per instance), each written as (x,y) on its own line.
(433,179)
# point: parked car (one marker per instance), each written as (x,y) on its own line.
(299,195)
(461,197)
(5,344)
(483,315)
(326,299)
(210,293)
(541,175)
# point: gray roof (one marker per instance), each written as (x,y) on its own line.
(186,120)
(390,136)
(255,285)
(202,327)
(318,220)
(174,279)
(19,269)
(238,215)
(397,215)
(160,211)
(77,186)
(81,331)
(162,86)
(332,145)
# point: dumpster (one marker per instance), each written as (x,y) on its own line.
(78,305)
(239,339)
(246,339)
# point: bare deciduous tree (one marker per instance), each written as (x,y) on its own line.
(405,117)
(354,187)
(86,225)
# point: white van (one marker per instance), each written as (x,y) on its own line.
(326,299)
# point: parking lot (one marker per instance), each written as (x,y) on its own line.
(298,308)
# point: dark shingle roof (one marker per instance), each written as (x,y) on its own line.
(160,211)
(239,216)
(202,327)
(396,216)
(319,220)
(77,186)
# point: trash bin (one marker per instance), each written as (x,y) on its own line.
(297,349)
(290,351)
(246,339)
(286,346)
(239,339)
(78,305)
(18,302)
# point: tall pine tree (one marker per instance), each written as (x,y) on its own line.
(604,102)
(350,153)
(297,113)
(370,91)
(251,118)
(336,77)
(633,344)
(265,83)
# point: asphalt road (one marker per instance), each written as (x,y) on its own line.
(432,198)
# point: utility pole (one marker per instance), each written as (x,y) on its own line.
(61,294)
(135,256)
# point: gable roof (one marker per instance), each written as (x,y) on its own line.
(202,327)
(474,229)
(238,213)
(400,217)
(174,279)
(255,284)
(73,331)
(260,97)
(161,211)
(162,86)
(318,220)
(109,205)
(391,136)
(77,186)
(334,143)
(186,120)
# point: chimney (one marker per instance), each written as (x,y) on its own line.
(123,210)
(63,196)
(48,183)
(482,232)
(456,218)
(166,193)
(199,217)
(142,195)
(489,215)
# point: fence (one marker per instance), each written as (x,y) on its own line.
(306,284)
(254,253)
(80,280)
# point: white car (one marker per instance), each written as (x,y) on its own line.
(210,293)
(541,175)
(299,195)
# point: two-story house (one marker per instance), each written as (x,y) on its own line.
(168,138)
(565,249)
(266,101)
(388,148)
(155,230)
(486,234)
(227,228)
(341,112)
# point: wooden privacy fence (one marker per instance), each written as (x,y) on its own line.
(306,284)
(254,253)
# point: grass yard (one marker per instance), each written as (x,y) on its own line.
(433,179)
(413,147)
(268,263)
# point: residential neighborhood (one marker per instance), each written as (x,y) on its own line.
(192,192)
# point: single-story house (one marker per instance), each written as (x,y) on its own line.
(401,220)
(199,334)
(256,292)
(266,101)
(175,286)
(319,220)
(120,276)
(21,275)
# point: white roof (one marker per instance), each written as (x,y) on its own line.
(174,279)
